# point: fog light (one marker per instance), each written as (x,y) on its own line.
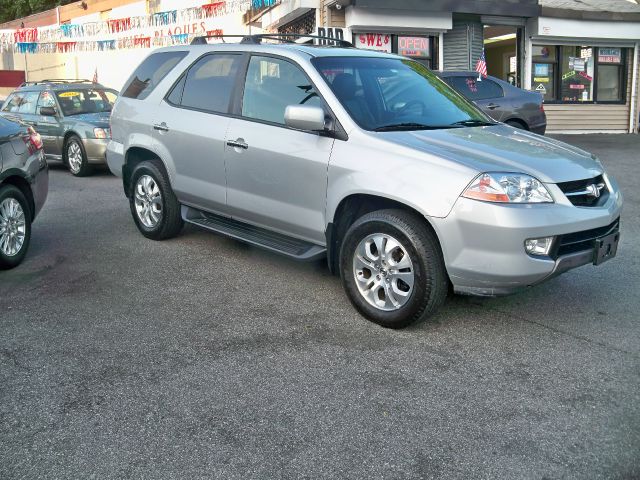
(538,246)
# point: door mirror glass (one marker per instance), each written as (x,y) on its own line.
(304,117)
(48,111)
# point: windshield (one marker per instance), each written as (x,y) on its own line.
(76,102)
(391,93)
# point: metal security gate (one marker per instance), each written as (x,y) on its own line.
(463,45)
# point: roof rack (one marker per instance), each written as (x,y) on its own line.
(50,81)
(283,37)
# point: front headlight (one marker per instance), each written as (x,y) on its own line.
(508,188)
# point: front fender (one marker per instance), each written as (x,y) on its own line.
(366,165)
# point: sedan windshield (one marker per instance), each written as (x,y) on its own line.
(76,102)
(385,94)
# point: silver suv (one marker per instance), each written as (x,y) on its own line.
(366,158)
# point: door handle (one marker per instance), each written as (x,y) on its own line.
(162,127)
(492,106)
(239,143)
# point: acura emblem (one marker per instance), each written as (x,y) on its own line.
(593,190)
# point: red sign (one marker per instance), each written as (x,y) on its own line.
(413,46)
(374,41)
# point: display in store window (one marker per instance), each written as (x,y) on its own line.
(576,74)
(413,47)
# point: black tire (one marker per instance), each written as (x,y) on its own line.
(170,222)
(85,169)
(517,124)
(11,261)
(430,279)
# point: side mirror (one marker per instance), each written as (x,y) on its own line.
(48,111)
(304,117)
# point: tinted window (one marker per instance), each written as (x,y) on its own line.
(150,72)
(76,102)
(381,93)
(209,83)
(475,89)
(271,85)
(175,96)
(10,104)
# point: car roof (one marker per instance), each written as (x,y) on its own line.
(58,86)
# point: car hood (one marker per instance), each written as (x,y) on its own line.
(98,119)
(501,148)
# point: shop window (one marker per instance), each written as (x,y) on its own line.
(578,74)
(610,78)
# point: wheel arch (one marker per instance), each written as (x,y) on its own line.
(22,184)
(525,125)
(354,206)
(134,156)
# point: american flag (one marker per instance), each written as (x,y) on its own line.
(481,66)
(95,76)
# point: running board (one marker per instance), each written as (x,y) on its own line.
(260,237)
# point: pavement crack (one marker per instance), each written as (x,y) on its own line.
(568,334)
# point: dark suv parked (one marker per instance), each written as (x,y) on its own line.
(24,184)
(72,116)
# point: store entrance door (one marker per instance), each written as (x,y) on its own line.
(503,52)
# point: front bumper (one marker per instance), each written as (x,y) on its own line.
(483,243)
(115,157)
(96,149)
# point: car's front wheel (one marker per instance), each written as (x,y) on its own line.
(154,206)
(392,268)
(76,157)
(15,226)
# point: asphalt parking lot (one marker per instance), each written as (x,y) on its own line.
(201,357)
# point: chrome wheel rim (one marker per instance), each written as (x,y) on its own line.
(13,227)
(383,271)
(74,155)
(148,201)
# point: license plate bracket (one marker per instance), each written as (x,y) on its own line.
(605,248)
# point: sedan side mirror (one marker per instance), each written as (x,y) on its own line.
(305,117)
(48,111)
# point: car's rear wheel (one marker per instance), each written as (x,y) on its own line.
(392,268)
(154,206)
(15,226)
(76,157)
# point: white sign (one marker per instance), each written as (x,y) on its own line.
(541,88)
(373,41)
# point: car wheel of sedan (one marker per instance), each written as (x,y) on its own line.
(154,206)
(15,226)
(76,157)
(392,268)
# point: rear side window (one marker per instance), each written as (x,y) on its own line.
(475,89)
(209,83)
(150,72)
(23,102)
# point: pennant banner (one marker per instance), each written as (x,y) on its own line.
(172,25)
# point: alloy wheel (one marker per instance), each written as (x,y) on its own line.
(148,201)
(13,227)
(383,271)
(74,156)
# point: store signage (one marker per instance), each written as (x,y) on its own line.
(413,46)
(576,86)
(541,88)
(373,41)
(568,75)
(609,55)
(541,79)
(541,69)
(330,32)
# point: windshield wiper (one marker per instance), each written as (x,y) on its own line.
(473,123)
(410,126)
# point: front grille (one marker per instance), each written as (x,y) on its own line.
(576,192)
(580,241)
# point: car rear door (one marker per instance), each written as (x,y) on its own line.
(192,125)
(484,92)
(49,127)
(276,175)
